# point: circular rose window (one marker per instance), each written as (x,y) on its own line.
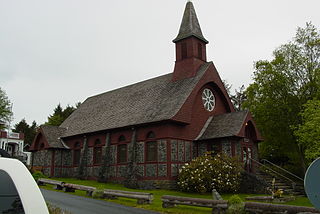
(208,99)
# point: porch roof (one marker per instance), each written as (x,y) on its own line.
(224,125)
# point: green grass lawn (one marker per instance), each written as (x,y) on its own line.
(157,203)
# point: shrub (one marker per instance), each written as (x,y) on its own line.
(235,205)
(37,174)
(205,172)
(98,193)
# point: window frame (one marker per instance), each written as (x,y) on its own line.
(151,139)
(147,152)
(120,159)
(76,152)
(97,152)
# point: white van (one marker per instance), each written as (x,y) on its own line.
(19,193)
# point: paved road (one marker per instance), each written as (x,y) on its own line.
(81,205)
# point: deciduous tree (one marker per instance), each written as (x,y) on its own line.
(308,133)
(280,88)
(5,108)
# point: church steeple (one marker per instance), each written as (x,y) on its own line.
(190,46)
(190,25)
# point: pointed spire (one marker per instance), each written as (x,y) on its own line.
(190,25)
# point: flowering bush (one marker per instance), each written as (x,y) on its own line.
(205,172)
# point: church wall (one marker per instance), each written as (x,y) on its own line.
(90,156)
(70,142)
(229,146)
(39,141)
(170,155)
(41,161)
(42,158)
(63,164)
(92,138)
(226,147)
(193,111)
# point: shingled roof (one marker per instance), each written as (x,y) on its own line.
(224,125)
(53,134)
(190,25)
(149,101)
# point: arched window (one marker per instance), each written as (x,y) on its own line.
(151,135)
(41,146)
(122,153)
(76,153)
(151,147)
(97,152)
(122,138)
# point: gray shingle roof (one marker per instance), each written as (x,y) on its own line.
(53,134)
(224,125)
(190,25)
(152,100)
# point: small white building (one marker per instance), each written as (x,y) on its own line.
(13,143)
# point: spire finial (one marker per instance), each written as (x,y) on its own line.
(190,25)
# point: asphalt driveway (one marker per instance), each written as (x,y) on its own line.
(82,205)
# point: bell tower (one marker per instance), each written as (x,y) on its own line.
(190,46)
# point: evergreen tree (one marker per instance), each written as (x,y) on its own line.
(59,114)
(29,131)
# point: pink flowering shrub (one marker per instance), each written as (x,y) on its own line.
(205,172)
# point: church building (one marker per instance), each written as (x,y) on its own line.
(143,133)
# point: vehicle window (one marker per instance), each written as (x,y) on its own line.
(9,198)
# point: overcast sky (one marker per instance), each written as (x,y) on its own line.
(63,51)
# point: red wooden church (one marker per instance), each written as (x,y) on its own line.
(143,133)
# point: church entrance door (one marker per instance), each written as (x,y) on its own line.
(246,157)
